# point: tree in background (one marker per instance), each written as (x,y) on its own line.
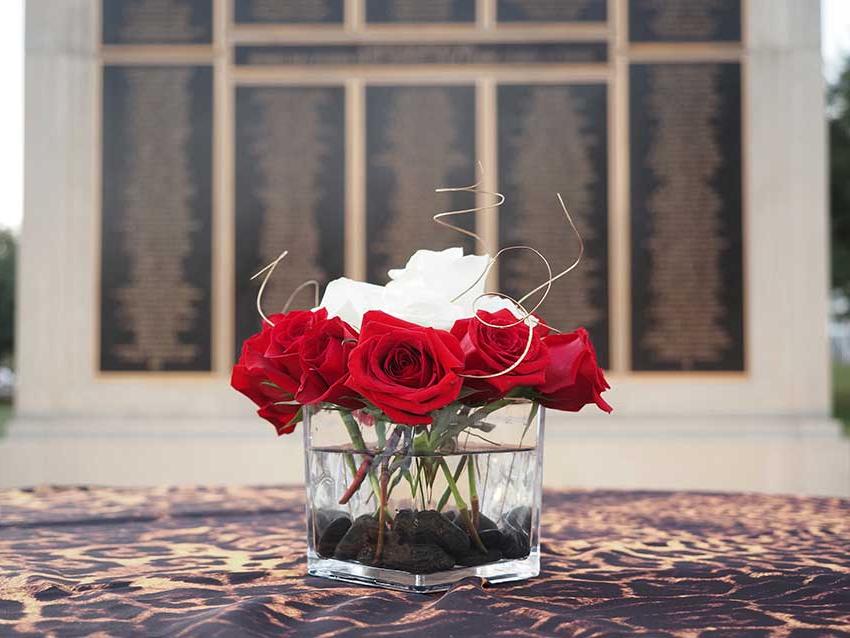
(7,296)
(839,162)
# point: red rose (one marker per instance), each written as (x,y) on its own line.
(488,350)
(406,370)
(285,342)
(283,416)
(324,354)
(257,379)
(573,378)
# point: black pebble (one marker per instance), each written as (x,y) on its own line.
(488,532)
(366,555)
(474,558)
(516,532)
(404,524)
(332,534)
(434,528)
(364,531)
(492,538)
(414,558)
(325,517)
(486,523)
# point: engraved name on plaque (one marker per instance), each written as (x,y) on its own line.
(552,139)
(157,21)
(290,194)
(551,10)
(684,20)
(418,11)
(288,11)
(156,218)
(417,139)
(687,284)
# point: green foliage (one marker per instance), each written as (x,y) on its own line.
(841,394)
(839,161)
(8,249)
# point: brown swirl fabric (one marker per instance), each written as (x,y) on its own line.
(221,562)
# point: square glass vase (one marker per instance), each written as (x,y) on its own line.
(418,508)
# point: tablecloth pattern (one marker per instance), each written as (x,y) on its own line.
(230,561)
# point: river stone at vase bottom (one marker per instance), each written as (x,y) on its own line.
(424,542)
(331,534)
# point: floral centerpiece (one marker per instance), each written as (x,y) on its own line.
(422,403)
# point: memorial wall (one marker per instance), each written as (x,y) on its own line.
(333,122)
(174,147)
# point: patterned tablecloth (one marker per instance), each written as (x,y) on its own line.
(198,561)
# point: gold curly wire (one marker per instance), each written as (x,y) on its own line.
(528,317)
(551,280)
(299,288)
(473,188)
(268,270)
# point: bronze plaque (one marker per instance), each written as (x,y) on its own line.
(157,21)
(553,138)
(288,11)
(684,20)
(418,138)
(440,11)
(536,53)
(551,10)
(687,279)
(156,218)
(290,194)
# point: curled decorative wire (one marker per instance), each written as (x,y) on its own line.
(551,280)
(527,316)
(473,188)
(268,270)
(299,288)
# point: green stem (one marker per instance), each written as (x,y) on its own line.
(382,513)
(402,474)
(417,485)
(351,463)
(381,432)
(462,507)
(532,413)
(353,431)
(485,410)
(445,497)
(473,489)
(360,445)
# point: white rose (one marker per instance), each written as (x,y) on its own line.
(423,292)
(350,300)
(446,273)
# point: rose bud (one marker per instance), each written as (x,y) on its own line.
(573,377)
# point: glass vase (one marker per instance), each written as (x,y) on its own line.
(418,508)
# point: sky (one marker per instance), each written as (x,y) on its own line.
(835,45)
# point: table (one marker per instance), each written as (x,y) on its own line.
(230,561)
